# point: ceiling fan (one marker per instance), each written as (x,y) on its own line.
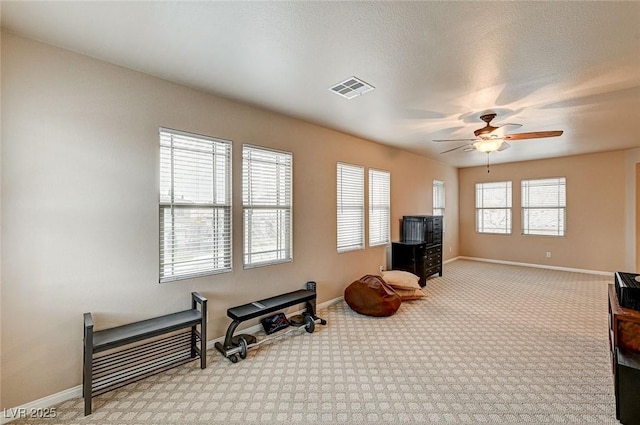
(490,139)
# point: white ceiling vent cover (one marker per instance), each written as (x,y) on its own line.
(351,87)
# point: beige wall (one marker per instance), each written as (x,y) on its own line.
(595,213)
(637,213)
(80,206)
(632,239)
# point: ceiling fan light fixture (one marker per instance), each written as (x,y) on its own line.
(491,139)
(489,145)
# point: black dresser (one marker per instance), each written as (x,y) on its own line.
(420,250)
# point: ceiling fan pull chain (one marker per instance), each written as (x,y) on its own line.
(488,171)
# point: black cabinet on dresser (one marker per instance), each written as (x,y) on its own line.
(420,250)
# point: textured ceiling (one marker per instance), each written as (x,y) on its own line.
(436,66)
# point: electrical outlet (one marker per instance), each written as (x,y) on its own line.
(381,269)
(450,249)
(548,254)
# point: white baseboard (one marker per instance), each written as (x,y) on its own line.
(49,401)
(29,409)
(539,266)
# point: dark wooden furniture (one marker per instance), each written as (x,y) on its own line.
(235,347)
(624,325)
(120,366)
(624,342)
(422,228)
(628,290)
(627,387)
(420,250)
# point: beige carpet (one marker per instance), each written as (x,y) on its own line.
(492,344)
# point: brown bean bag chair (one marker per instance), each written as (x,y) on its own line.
(371,296)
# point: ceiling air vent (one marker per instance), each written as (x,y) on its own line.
(351,87)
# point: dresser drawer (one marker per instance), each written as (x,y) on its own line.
(432,270)
(433,251)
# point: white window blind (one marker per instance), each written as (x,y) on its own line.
(379,207)
(195,205)
(266,206)
(350,200)
(438,197)
(544,206)
(493,207)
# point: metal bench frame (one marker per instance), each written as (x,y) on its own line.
(122,366)
(234,346)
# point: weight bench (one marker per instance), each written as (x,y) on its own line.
(237,346)
(121,367)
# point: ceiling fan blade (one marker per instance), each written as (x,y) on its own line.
(498,132)
(533,135)
(510,124)
(455,149)
(456,140)
(504,146)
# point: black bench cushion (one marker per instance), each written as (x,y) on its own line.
(126,334)
(249,311)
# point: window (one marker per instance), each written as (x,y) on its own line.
(438,197)
(350,200)
(266,206)
(493,207)
(379,207)
(544,207)
(195,205)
